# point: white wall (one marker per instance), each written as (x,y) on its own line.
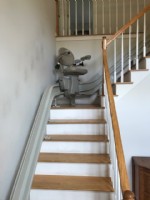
(134,120)
(27,52)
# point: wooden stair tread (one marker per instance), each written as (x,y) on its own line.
(85,183)
(77,121)
(77,107)
(77,138)
(122,83)
(139,70)
(74,158)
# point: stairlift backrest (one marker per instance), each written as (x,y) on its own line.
(66,57)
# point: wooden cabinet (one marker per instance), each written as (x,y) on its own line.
(141,177)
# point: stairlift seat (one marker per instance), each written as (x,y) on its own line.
(74,71)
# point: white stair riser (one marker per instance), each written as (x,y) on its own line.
(103,102)
(76,114)
(122,89)
(138,76)
(74,147)
(83,129)
(86,100)
(69,195)
(73,169)
(145,64)
(147,60)
(142,64)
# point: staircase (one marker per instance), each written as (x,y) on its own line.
(74,161)
(131,79)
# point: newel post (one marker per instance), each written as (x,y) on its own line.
(128,195)
(104,43)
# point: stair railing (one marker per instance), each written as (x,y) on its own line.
(93,17)
(132,47)
(117,60)
(122,179)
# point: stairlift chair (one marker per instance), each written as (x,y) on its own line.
(69,72)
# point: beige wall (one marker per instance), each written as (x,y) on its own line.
(27,53)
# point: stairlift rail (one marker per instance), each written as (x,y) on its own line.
(23,181)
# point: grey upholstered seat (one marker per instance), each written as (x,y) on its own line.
(74,71)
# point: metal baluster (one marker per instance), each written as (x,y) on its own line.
(119,187)
(65,17)
(130,29)
(89,17)
(124,12)
(115,166)
(95,17)
(122,46)
(62,18)
(82,17)
(76,17)
(68,16)
(116,15)
(115,45)
(122,58)
(115,60)
(110,16)
(137,39)
(57,17)
(103,17)
(130,48)
(144,34)
(117,177)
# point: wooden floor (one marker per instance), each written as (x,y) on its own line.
(74,158)
(84,183)
(76,138)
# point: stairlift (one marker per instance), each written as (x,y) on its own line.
(68,70)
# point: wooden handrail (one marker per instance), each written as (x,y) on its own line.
(126,26)
(125,186)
